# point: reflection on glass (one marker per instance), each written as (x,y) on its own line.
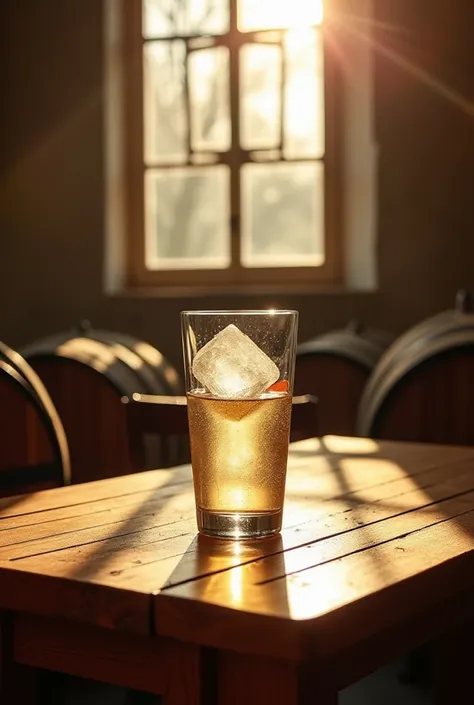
(282,214)
(169,18)
(187,218)
(165,126)
(209,94)
(304,95)
(268,14)
(260,85)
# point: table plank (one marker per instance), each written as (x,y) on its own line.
(362,591)
(126,503)
(98,552)
(371,482)
(147,557)
(76,495)
(310,457)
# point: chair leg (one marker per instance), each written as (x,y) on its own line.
(18,683)
(453,658)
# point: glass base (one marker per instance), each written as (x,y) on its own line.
(238,525)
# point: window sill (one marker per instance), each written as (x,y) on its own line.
(179,292)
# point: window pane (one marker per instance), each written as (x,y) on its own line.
(170,18)
(304,95)
(187,218)
(164,102)
(282,215)
(268,14)
(260,86)
(209,93)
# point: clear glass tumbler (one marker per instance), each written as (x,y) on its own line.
(239,368)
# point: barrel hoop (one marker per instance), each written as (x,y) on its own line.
(363,357)
(446,322)
(369,407)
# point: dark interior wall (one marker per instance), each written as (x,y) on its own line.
(52,177)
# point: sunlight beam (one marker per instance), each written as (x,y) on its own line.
(432,82)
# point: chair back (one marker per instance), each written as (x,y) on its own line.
(33,447)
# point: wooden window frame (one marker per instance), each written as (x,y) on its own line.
(235,277)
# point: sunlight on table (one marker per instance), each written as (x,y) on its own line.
(356,446)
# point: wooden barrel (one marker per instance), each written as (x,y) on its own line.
(422,387)
(34,452)
(335,367)
(87,372)
(151,366)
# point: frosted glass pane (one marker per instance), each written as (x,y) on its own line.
(165,123)
(269,14)
(282,214)
(187,218)
(304,95)
(169,18)
(209,93)
(260,90)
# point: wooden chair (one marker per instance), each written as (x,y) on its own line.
(304,417)
(162,417)
(168,418)
(33,448)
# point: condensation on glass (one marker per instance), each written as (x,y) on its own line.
(187,223)
(189,107)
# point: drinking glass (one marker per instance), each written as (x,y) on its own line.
(239,370)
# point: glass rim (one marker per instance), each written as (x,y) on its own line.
(241,312)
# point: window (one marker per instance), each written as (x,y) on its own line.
(231,129)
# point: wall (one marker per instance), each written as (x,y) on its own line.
(52,169)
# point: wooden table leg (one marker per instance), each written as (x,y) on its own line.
(18,684)
(453,663)
(259,681)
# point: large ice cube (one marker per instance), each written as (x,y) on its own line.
(232,366)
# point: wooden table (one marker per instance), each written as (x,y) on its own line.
(110,581)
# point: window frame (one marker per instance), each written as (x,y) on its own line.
(137,276)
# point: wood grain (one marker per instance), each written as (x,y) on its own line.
(115,487)
(368,529)
(156,549)
(362,592)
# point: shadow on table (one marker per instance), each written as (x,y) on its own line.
(367,509)
(7,503)
(199,562)
(167,511)
(360,518)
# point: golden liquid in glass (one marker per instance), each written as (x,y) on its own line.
(239,451)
